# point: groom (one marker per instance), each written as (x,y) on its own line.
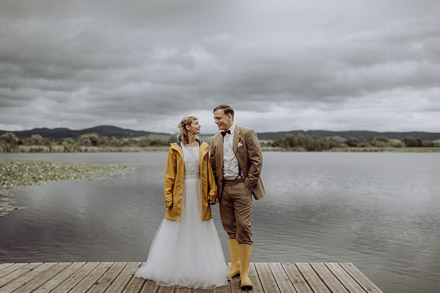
(236,160)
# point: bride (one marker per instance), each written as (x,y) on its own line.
(186,250)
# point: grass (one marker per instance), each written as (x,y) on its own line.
(7,205)
(15,174)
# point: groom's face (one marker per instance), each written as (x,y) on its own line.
(223,121)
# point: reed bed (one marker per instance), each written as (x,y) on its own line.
(15,174)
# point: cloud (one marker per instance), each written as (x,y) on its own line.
(282,64)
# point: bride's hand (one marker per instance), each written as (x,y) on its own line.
(213,202)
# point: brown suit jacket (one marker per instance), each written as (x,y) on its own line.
(248,155)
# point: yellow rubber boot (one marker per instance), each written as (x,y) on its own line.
(234,269)
(245,251)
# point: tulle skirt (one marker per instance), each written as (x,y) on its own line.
(186,253)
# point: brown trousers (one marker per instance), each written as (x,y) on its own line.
(236,211)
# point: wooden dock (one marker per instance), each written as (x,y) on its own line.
(118,277)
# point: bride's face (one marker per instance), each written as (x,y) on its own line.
(194,128)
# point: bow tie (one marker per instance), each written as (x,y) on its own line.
(224,132)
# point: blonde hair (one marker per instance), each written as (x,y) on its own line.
(183,136)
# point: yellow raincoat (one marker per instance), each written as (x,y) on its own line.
(175,177)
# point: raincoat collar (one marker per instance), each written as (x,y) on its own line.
(179,142)
(178,146)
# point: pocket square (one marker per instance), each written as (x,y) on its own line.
(240,144)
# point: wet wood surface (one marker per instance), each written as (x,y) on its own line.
(119,277)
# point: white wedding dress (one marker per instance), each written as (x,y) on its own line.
(187,253)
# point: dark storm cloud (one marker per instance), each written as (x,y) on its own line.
(282,64)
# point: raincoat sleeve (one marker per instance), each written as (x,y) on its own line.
(211,183)
(212,158)
(170,178)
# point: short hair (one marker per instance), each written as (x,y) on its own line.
(226,109)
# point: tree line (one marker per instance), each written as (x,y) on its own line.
(313,143)
(10,143)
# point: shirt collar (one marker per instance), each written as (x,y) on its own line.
(232,129)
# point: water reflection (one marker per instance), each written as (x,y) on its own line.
(378,211)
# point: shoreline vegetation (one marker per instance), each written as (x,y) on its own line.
(15,174)
(92,142)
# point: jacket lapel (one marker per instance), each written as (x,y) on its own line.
(235,140)
(220,154)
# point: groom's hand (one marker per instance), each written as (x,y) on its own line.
(213,202)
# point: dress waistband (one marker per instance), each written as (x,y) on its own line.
(192,177)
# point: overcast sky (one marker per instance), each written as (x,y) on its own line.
(283,65)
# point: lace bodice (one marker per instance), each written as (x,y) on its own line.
(191,158)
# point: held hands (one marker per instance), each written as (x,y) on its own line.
(213,202)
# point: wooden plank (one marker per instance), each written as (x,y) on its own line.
(9,269)
(222,289)
(346,280)
(360,278)
(5,265)
(60,278)
(166,289)
(25,278)
(74,279)
(328,278)
(18,273)
(258,288)
(298,281)
(92,277)
(312,278)
(107,279)
(150,286)
(267,280)
(135,285)
(181,289)
(124,277)
(235,285)
(281,278)
(119,277)
(43,277)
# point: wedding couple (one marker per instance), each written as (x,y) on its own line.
(186,250)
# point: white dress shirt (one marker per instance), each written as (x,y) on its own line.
(230,163)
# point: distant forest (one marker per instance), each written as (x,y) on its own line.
(313,143)
(90,142)
(94,142)
(117,132)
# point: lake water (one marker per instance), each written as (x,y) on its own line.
(379,211)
